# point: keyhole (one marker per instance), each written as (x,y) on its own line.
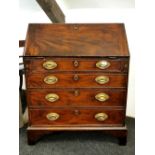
(76,27)
(76,63)
(76,77)
(76,92)
(76,112)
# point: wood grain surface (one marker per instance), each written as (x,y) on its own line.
(76,97)
(84,117)
(76,80)
(76,40)
(76,48)
(84,64)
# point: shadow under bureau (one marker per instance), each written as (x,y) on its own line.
(76,78)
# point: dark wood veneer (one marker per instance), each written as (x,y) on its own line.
(76,97)
(76,40)
(67,64)
(76,48)
(84,117)
(36,80)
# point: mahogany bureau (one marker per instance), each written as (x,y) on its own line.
(76,78)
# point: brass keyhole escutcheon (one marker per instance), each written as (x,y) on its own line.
(76,112)
(76,63)
(102,97)
(76,92)
(101,116)
(75,27)
(102,79)
(103,64)
(76,77)
(50,79)
(51,97)
(49,64)
(52,116)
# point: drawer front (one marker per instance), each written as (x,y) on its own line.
(76,97)
(64,64)
(81,117)
(46,80)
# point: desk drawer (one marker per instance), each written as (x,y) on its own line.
(55,80)
(76,97)
(74,116)
(76,64)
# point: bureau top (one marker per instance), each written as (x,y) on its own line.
(78,40)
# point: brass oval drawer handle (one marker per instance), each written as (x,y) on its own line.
(52,116)
(50,79)
(101,116)
(49,64)
(103,64)
(102,79)
(51,97)
(102,97)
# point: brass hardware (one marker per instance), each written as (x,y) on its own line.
(76,92)
(102,97)
(49,64)
(102,79)
(52,116)
(51,97)
(75,27)
(76,63)
(76,77)
(101,116)
(76,112)
(103,64)
(50,79)
(126,65)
